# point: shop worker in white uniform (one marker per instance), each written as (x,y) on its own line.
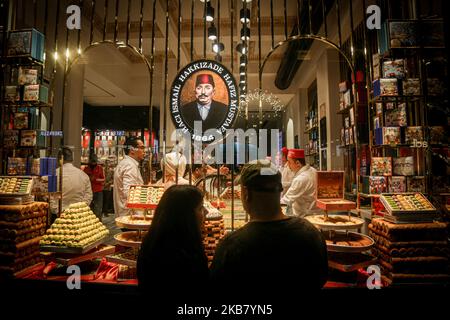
(127,173)
(287,175)
(76,185)
(172,162)
(301,195)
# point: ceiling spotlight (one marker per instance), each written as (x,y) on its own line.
(242,79)
(212,33)
(218,47)
(209,13)
(242,70)
(242,48)
(243,60)
(202,1)
(245,15)
(245,34)
(248,1)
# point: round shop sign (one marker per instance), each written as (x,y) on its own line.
(204,96)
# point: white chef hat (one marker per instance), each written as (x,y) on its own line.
(173,160)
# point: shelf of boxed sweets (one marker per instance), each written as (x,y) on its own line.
(308,130)
(348,108)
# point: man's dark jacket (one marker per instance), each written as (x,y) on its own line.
(216,115)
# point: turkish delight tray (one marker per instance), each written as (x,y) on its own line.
(400,203)
(15,186)
(144,197)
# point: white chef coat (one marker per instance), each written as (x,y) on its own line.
(76,186)
(126,174)
(287,175)
(302,193)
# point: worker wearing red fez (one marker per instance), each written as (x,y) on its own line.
(287,175)
(212,113)
(301,195)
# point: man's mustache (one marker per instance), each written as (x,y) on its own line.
(203,96)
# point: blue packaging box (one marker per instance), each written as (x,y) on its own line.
(26,43)
(52,183)
(43,167)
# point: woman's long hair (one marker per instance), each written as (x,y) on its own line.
(175,230)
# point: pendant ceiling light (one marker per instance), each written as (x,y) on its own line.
(245,15)
(218,47)
(245,34)
(243,60)
(242,48)
(212,33)
(209,13)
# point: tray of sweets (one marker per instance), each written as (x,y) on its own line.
(134,222)
(347,262)
(73,250)
(130,238)
(335,222)
(144,197)
(15,185)
(347,241)
(401,203)
(128,257)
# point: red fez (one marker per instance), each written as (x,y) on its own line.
(204,79)
(296,153)
(284,150)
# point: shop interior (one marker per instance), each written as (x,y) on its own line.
(369,107)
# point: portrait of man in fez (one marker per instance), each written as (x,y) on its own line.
(212,113)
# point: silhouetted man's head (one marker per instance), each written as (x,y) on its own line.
(260,188)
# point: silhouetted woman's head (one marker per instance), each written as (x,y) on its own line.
(173,249)
(179,212)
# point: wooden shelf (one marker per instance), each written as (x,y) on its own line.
(347,146)
(365,195)
(311,129)
(22,60)
(393,98)
(26,104)
(395,146)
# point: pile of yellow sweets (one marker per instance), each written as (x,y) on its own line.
(76,227)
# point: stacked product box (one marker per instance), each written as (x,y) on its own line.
(48,168)
(26,43)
